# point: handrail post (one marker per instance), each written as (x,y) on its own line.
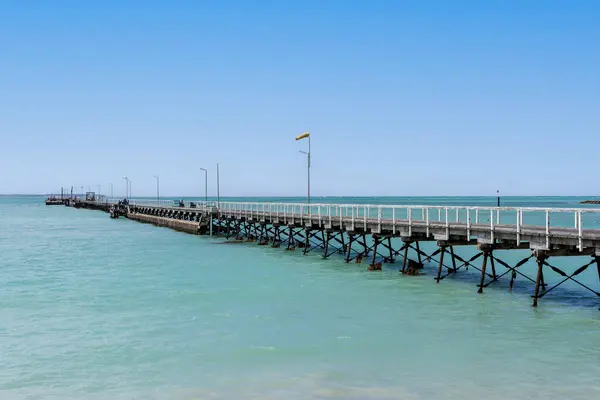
(492,225)
(579,231)
(447,225)
(319,207)
(518,226)
(548,229)
(468,224)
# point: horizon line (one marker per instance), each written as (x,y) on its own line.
(290,196)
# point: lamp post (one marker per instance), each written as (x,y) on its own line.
(205,184)
(157,188)
(218,188)
(498,194)
(82,193)
(300,137)
(126,187)
(111,191)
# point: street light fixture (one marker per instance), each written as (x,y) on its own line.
(300,137)
(157,189)
(205,184)
(218,188)
(126,187)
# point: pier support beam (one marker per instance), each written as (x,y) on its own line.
(307,242)
(541,259)
(228,231)
(483,267)
(291,241)
(597,259)
(406,246)
(453,259)
(276,237)
(441,264)
(349,249)
(374,265)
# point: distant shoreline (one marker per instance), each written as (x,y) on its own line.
(590,202)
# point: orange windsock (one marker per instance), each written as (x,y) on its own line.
(303,135)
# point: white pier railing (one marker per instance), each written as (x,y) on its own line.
(573,219)
(532,216)
(577,218)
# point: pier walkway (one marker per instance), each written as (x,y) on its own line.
(382,233)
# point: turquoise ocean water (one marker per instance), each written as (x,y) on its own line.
(94,308)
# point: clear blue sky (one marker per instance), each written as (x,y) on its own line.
(402,98)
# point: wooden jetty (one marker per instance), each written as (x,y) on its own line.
(53,201)
(62,199)
(381,234)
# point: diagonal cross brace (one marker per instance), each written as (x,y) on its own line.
(513,269)
(568,277)
(465,263)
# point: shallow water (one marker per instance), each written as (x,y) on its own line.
(112,309)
